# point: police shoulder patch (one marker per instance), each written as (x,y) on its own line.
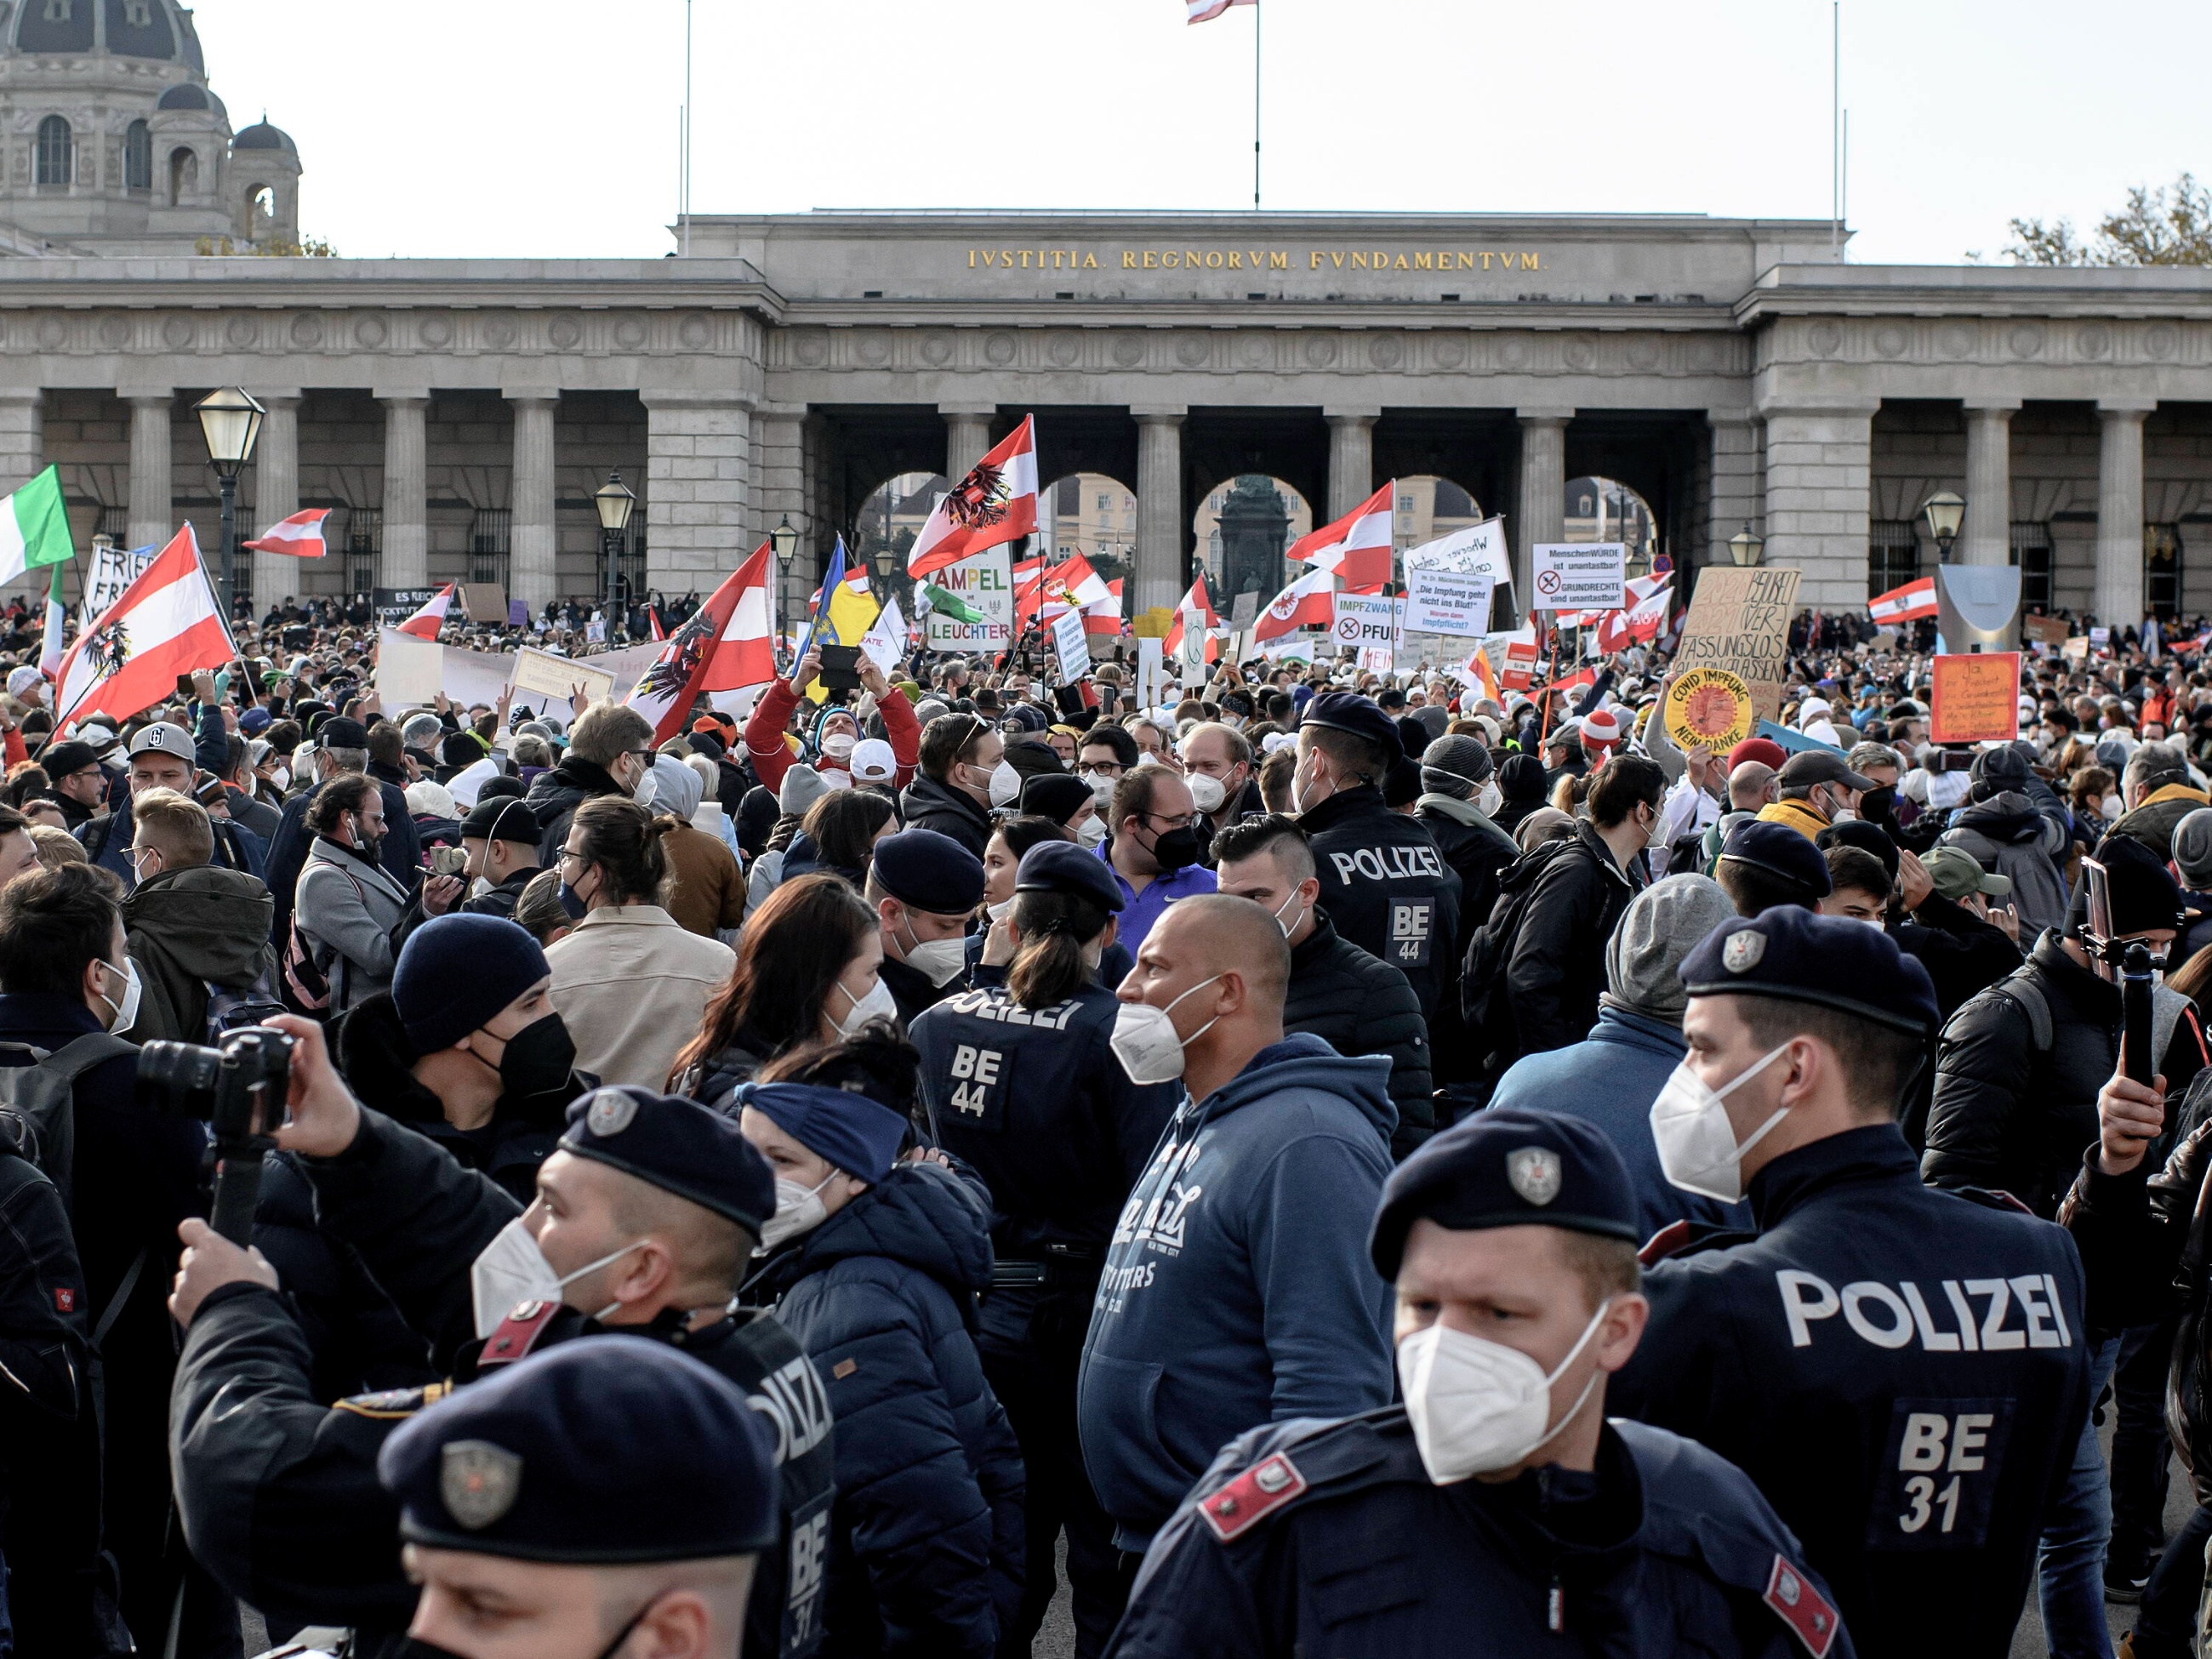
(1268,1485)
(517,1334)
(1792,1596)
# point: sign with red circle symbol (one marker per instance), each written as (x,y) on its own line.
(1709,708)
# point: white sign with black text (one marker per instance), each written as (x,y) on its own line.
(1578,576)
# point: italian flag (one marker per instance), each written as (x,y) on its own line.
(995,503)
(34,531)
(166,625)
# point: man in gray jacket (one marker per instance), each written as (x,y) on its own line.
(346,908)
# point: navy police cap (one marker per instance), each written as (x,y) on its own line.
(929,871)
(1781,852)
(676,1144)
(1061,867)
(1347,711)
(1510,1167)
(1791,953)
(606,1449)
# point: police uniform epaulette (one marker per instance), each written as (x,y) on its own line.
(1269,1470)
(1686,1237)
(395,1403)
(517,1334)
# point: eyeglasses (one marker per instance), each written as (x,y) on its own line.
(566,854)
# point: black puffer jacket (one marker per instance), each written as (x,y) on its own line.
(554,796)
(1554,969)
(1475,847)
(1360,1005)
(928,804)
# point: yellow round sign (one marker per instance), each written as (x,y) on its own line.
(1709,708)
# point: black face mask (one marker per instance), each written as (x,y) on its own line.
(1879,806)
(537,1058)
(1176,848)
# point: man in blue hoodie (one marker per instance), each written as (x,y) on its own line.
(1237,1289)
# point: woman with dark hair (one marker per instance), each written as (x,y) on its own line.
(806,972)
(629,979)
(839,834)
(872,1261)
(1019,1080)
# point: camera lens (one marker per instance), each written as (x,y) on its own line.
(180,1078)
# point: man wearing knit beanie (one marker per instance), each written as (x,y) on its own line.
(1612,1078)
(1459,790)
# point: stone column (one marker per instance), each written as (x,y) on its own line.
(276,497)
(1986,537)
(2120,511)
(967,437)
(1818,473)
(406,556)
(698,473)
(1160,527)
(531,572)
(1735,499)
(1350,457)
(151,523)
(22,433)
(1543,501)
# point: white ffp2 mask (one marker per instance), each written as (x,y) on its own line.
(1698,1148)
(1475,1405)
(512,1270)
(1145,1043)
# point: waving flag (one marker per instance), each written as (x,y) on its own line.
(34,530)
(1203,11)
(424,624)
(50,648)
(1357,547)
(1075,583)
(1642,620)
(1478,673)
(996,502)
(300,536)
(166,624)
(1105,615)
(1029,586)
(1309,602)
(1905,603)
(724,640)
(1196,603)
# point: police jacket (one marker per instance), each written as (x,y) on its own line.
(1902,1371)
(277,1491)
(1360,1005)
(1386,887)
(2014,1112)
(1321,1537)
(925,1547)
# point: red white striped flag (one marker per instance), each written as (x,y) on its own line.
(1074,582)
(1309,602)
(1905,603)
(166,624)
(722,646)
(1105,615)
(995,503)
(300,536)
(1197,603)
(424,624)
(1646,614)
(1357,547)
(1202,11)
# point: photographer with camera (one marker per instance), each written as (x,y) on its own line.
(643,1225)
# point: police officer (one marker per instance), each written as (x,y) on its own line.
(601,1499)
(645,1218)
(1019,1080)
(1495,1510)
(1383,883)
(1904,1372)
(923,887)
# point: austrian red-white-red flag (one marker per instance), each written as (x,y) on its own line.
(726,638)
(425,622)
(1905,604)
(1203,11)
(996,502)
(1105,615)
(300,536)
(166,624)
(1074,582)
(1357,547)
(1197,603)
(1645,615)
(1309,602)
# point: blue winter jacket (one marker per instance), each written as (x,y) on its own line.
(1237,1289)
(1610,1078)
(927,1548)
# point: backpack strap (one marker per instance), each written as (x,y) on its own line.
(114,1308)
(79,1054)
(2019,987)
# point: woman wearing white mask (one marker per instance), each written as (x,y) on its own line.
(1497,1502)
(872,1262)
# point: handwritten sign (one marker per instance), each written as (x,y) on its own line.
(1738,620)
(2045,630)
(1578,576)
(1709,708)
(550,676)
(1975,699)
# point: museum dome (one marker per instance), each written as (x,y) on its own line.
(157,30)
(188,95)
(262,135)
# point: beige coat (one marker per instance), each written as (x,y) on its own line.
(631,987)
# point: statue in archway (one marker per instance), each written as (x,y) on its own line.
(1255,527)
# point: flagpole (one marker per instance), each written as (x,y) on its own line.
(686,192)
(1256,10)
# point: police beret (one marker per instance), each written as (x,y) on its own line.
(856,1132)
(1781,852)
(604,1449)
(1347,711)
(1799,957)
(1512,1167)
(503,816)
(1054,795)
(1061,867)
(676,1144)
(929,871)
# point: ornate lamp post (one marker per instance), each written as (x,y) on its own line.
(1745,547)
(615,501)
(230,420)
(1944,511)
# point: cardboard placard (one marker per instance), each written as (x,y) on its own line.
(1578,576)
(1975,698)
(483,602)
(1243,610)
(1072,645)
(2045,630)
(557,677)
(1738,620)
(1709,708)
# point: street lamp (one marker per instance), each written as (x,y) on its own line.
(1745,548)
(886,562)
(1944,511)
(785,540)
(615,502)
(230,420)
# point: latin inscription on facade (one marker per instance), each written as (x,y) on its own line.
(1260,259)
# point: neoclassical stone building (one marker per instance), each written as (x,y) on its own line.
(460,413)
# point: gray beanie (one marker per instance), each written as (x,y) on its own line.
(2193,849)
(801,787)
(1455,766)
(1643,959)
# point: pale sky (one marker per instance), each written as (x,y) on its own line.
(489,127)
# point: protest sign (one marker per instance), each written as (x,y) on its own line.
(483,602)
(1578,576)
(1477,551)
(549,675)
(1447,602)
(1243,610)
(1791,740)
(1975,699)
(397,605)
(113,569)
(984,583)
(1367,621)
(1709,708)
(1073,646)
(1738,620)
(2045,630)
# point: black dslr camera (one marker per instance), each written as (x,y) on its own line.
(238,1090)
